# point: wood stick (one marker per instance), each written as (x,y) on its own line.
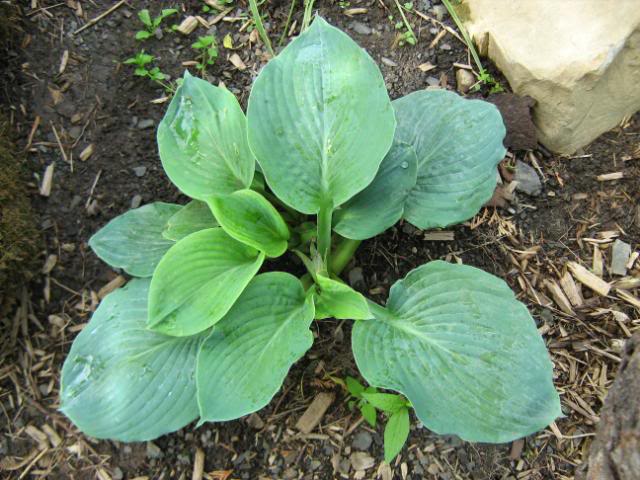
(92,22)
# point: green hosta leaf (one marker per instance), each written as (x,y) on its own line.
(124,382)
(440,170)
(368,412)
(193,217)
(249,217)
(458,143)
(202,141)
(381,204)
(198,281)
(320,119)
(133,241)
(243,362)
(396,433)
(455,341)
(387,402)
(338,300)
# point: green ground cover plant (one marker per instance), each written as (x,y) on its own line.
(322,160)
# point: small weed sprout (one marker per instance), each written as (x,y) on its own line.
(396,407)
(152,24)
(142,64)
(484,77)
(408,36)
(207,49)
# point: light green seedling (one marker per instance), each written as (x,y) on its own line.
(151,24)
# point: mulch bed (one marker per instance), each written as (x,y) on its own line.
(66,94)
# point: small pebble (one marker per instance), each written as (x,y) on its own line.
(356,278)
(362,441)
(527,178)
(153,451)
(439,11)
(361,28)
(140,171)
(136,201)
(146,123)
(388,62)
(433,82)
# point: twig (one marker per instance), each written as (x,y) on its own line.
(93,187)
(406,22)
(92,22)
(32,133)
(442,25)
(64,154)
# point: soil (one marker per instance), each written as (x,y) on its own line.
(95,100)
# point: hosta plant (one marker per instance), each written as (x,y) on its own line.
(321,160)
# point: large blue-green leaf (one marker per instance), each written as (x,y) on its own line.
(192,217)
(458,144)
(243,362)
(249,218)
(320,119)
(133,241)
(440,170)
(455,341)
(381,204)
(202,141)
(124,382)
(198,280)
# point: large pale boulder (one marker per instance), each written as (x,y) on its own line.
(579,59)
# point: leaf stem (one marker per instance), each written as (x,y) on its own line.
(286,25)
(378,311)
(465,35)
(306,18)
(324,231)
(342,254)
(257,19)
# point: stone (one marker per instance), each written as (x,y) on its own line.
(361,28)
(516,115)
(578,59)
(433,82)
(153,451)
(356,278)
(388,62)
(464,80)
(439,11)
(255,422)
(528,179)
(615,451)
(146,123)
(140,171)
(361,461)
(136,201)
(620,253)
(362,441)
